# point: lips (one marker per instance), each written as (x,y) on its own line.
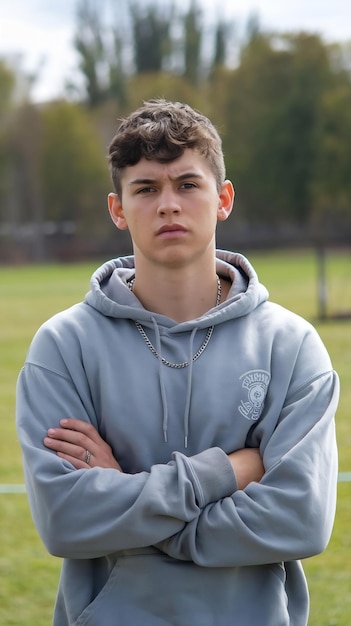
(171,228)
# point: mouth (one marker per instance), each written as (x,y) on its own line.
(171,230)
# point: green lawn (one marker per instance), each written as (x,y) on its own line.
(29,295)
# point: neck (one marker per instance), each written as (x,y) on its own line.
(180,297)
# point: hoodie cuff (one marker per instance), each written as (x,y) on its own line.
(214,474)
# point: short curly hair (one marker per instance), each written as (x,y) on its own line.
(161,130)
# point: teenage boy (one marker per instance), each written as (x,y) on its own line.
(177,427)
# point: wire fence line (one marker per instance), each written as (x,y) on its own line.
(343,477)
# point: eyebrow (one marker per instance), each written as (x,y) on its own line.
(153,181)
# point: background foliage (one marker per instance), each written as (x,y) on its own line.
(281,103)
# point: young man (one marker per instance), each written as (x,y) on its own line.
(177,428)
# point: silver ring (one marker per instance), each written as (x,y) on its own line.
(87,457)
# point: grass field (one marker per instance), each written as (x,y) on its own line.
(29,295)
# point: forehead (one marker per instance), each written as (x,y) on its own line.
(190,162)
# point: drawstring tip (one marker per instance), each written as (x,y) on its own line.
(165,436)
(185,441)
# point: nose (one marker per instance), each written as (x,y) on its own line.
(168,202)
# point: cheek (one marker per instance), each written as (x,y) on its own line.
(138,230)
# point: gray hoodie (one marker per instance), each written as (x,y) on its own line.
(172,540)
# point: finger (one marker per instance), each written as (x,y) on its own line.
(77,463)
(72,450)
(70,436)
(81,426)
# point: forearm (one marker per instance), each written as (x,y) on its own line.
(100,511)
(247,466)
(268,522)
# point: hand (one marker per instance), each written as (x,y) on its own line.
(247,465)
(74,439)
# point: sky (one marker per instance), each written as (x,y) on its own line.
(39,33)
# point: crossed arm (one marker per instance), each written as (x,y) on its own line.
(75,437)
(261,516)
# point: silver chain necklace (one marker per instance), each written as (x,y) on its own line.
(153,349)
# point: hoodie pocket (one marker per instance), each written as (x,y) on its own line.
(117,602)
(152,589)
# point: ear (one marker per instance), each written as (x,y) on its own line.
(116,211)
(226,201)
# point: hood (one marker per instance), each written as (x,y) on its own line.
(111,296)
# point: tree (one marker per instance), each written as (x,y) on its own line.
(192,28)
(74,171)
(222,33)
(89,43)
(116,72)
(151,37)
(103,50)
(7,82)
(311,78)
(274,123)
(331,189)
(24,206)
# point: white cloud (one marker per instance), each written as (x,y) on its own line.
(41,39)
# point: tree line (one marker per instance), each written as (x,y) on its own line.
(281,103)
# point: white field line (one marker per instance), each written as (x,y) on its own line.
(344,477)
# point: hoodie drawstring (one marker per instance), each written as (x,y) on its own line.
(163,387)
(188,389)
(161,380)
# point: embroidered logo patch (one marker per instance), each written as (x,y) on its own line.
(255,383)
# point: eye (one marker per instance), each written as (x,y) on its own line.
(188,186)
(145,190)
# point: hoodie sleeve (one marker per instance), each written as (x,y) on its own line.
(95,512)
(288,515)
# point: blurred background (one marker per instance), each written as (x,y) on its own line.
(275,79)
